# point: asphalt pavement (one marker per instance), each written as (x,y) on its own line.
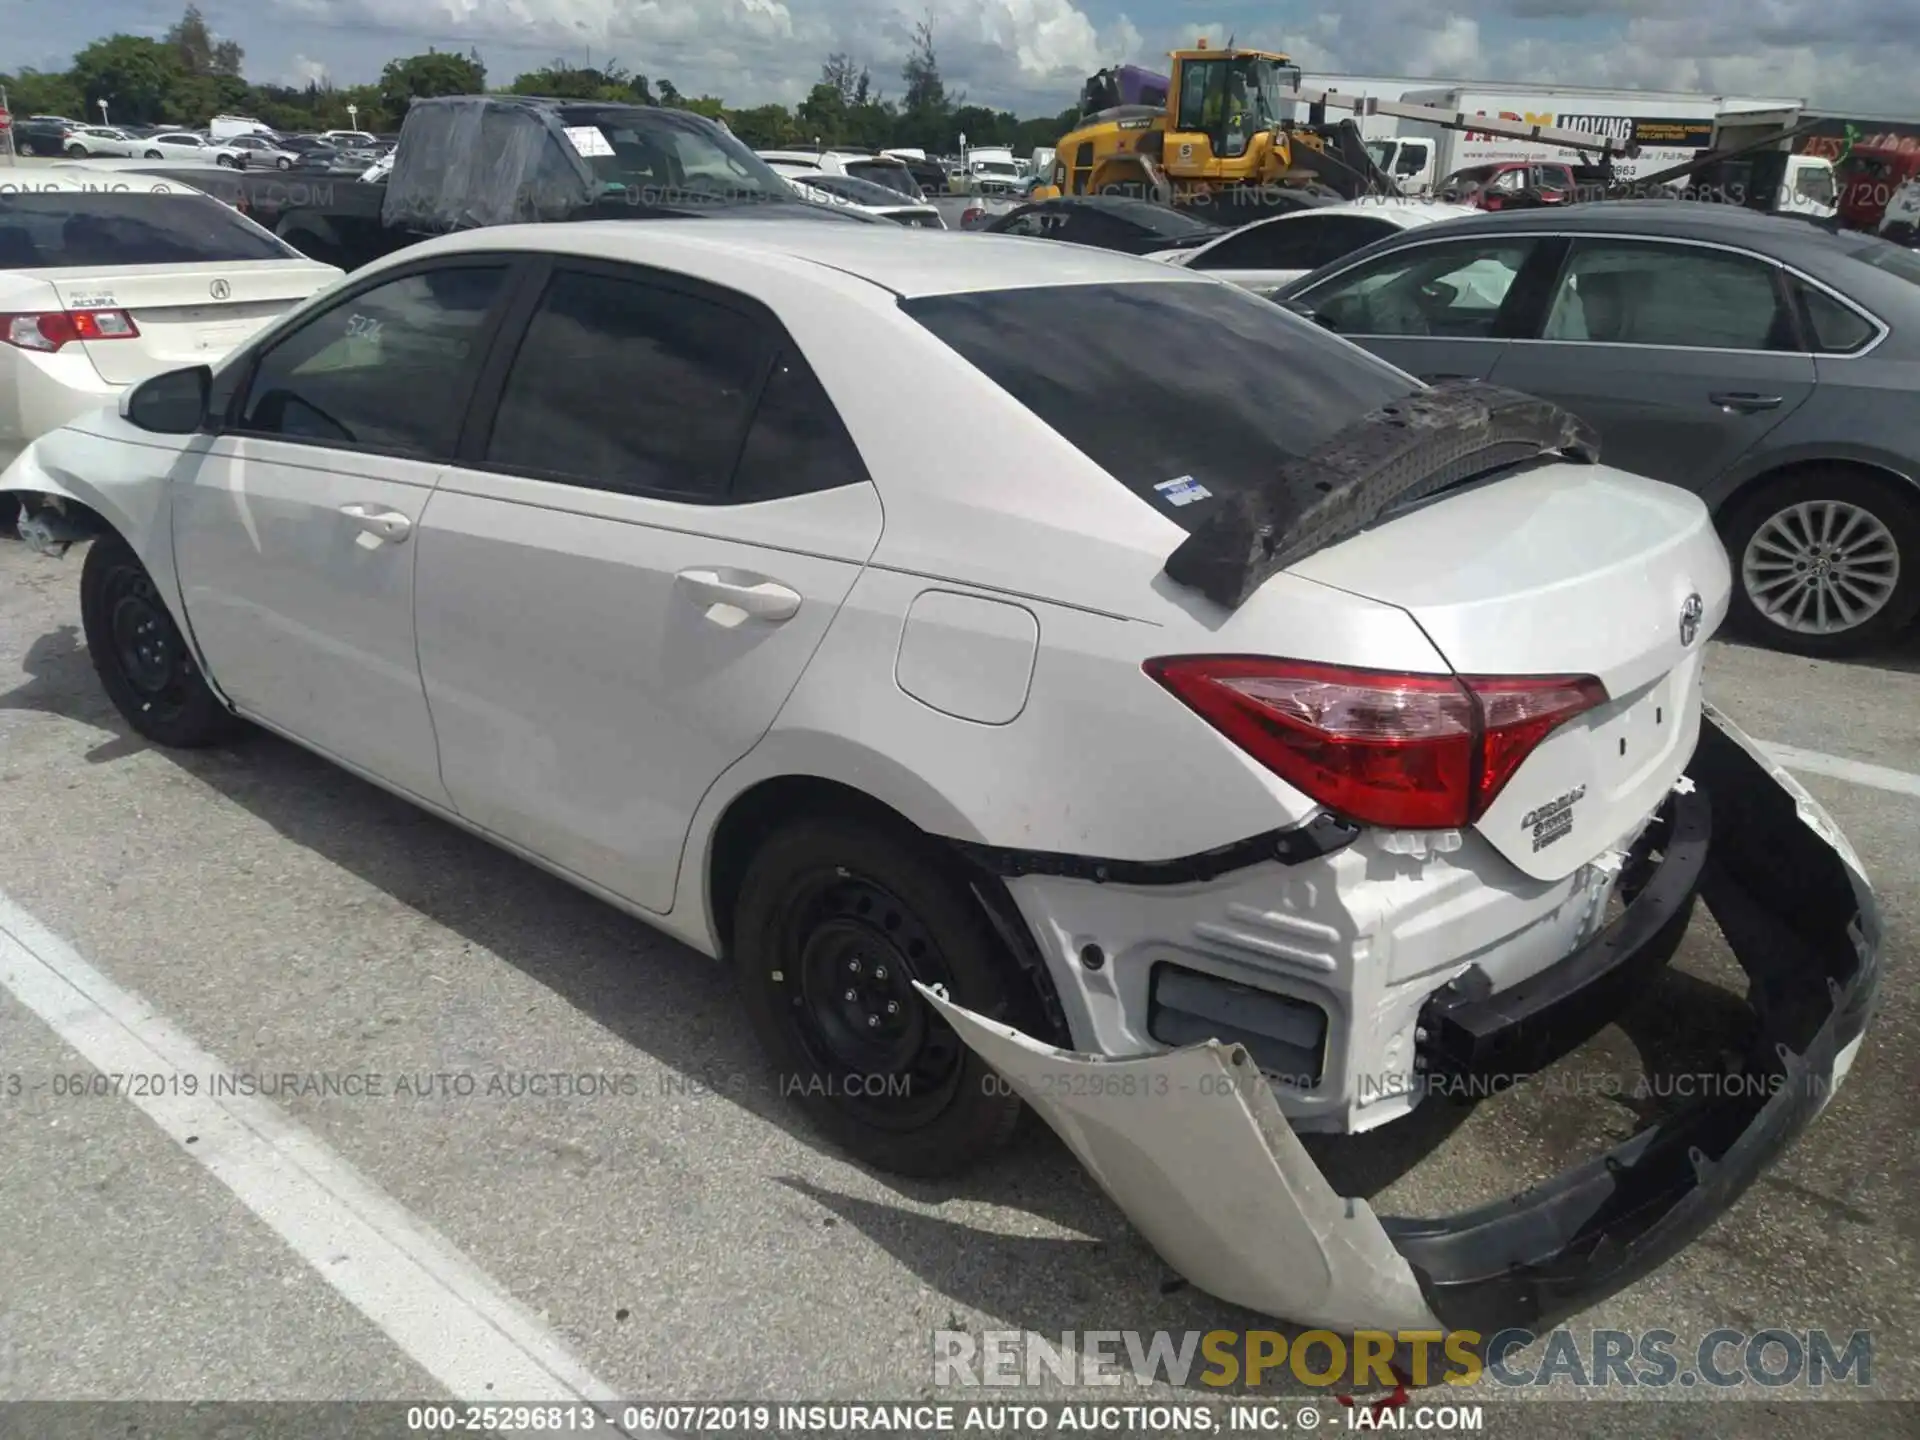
(476,1118)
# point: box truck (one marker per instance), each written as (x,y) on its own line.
(1669,128)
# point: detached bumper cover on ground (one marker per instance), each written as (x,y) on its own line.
(1192,1145)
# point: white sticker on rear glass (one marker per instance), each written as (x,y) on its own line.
(588,140)
(1183,491)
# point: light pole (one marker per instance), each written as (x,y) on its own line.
(353,116)
(103,110)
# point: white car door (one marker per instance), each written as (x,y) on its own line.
(294,534)
(630,568)
(180,147)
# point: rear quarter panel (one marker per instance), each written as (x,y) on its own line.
(1860,411)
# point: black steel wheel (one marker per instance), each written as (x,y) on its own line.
(836,919)
(142,659)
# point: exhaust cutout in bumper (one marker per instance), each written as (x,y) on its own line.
(1193,1148)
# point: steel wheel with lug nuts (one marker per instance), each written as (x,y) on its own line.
(142,659)
(1825,562)
(836,918)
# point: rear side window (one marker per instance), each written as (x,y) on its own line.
(797,444)
(626,385)
(49,230)
(1837,329)
(1171,385)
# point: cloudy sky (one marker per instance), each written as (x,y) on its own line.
(1030,55)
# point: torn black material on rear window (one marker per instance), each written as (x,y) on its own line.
(1414,446)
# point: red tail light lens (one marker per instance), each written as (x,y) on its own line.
(1411,752)
(52,329)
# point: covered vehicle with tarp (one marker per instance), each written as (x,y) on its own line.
(474,160)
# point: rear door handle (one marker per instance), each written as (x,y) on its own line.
(1436,379)
(387,524)
(1745,401)
(758,596)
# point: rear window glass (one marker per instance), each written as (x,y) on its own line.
(1885,255)
(47,230)
(894,177)
(1174,387)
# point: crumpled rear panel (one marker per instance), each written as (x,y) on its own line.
(471,160)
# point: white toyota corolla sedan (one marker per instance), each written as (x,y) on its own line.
(1247,741)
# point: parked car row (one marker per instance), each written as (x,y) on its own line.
(1731,353)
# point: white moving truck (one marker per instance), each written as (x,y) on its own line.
(1669,127)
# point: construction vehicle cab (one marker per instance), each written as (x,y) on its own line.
(1225,133)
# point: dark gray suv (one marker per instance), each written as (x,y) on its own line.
(1769,365)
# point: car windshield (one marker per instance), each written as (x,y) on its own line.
(1160,219)
(845,187)
(878,172)
(671,157)
(1254,386)
(50,229)
(1465,182)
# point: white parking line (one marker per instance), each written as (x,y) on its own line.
(427,1297)
(1835,767)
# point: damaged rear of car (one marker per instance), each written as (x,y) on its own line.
(1505,797)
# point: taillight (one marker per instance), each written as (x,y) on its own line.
(1410,752)
(52,329)
(972,214)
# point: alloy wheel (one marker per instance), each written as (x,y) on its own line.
(1821,567)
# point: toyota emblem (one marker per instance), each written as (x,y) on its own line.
(221,290)
(1690,614)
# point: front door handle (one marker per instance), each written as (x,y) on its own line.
(1436,379)
(1745,402)
(386,524)
(756,595)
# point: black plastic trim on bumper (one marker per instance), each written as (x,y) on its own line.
(1514,1032)
(1321,835)
(1804,927)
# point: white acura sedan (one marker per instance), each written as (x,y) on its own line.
(1253,740)
(106,280)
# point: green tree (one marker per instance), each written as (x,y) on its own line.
(139,78)
(926,111)
(34,92)
(765,127)
(420,77)
(612,82)
(200,53)
(822,115)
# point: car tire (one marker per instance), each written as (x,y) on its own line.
(77,152)
(1783,523)
(284,163)
(142,659)
(832,908)
(154,155)
(226,160)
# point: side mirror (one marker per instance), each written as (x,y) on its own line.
(171,404)
(1301,308)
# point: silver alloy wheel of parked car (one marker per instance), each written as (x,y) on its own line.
(1821,567)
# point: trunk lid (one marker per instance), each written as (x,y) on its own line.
(186,314)
(1562,570)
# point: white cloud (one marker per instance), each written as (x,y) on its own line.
(1839,54)
(1033,54)
(301,72)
